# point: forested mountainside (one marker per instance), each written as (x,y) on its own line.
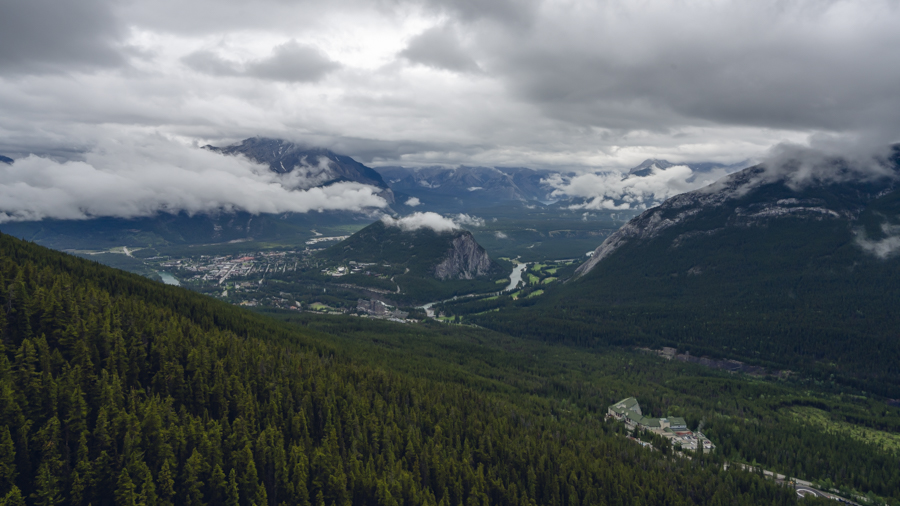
(753,269)
(118,390)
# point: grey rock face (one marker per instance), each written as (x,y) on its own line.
(681,210)
(465,260)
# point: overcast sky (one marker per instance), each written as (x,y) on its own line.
(535,83)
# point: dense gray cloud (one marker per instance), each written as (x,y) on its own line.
(829,160)
(541,83)
(439,47)
(38,36)
(291,62)
(795,65)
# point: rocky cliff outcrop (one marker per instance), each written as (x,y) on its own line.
(466,259)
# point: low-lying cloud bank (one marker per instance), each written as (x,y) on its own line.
(617,190)
(881,248)
(830,159)
(825,160)
(129,180)
(434,221)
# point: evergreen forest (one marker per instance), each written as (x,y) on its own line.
(115,389)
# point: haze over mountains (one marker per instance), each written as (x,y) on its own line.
(218,192)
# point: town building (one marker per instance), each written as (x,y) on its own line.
(673,428)
(378,308)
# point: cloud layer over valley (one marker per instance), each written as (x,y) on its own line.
(434,221)
(618,190)
(125,178)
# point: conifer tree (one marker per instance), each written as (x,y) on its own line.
(7,461)
(233,496)
(13,498)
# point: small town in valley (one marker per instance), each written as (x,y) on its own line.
(673,428)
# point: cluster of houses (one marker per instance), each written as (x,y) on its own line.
(673,428)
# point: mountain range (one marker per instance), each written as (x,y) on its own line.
(442,189)
(463,186)
(645,168)
(311,166)
(760,266)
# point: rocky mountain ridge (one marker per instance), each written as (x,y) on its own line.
(306,167)
(469,184)
(752,198)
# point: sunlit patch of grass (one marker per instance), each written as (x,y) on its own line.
(814,416)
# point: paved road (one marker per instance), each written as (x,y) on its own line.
(803,487)
(804,491)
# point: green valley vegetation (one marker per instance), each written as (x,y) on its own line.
(787,291)
(750,420)
(119,390)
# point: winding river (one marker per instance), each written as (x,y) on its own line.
(514,279)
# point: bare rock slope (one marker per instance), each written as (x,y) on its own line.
(756,196)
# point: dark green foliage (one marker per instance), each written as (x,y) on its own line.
(117,390)
(413,255)
(418,250)
(792,293)
(748,419)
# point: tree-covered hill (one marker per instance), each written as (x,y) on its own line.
(118,390)
(427,265)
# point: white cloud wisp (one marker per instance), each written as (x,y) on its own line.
(128,181)
(434,221)
(616,190)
